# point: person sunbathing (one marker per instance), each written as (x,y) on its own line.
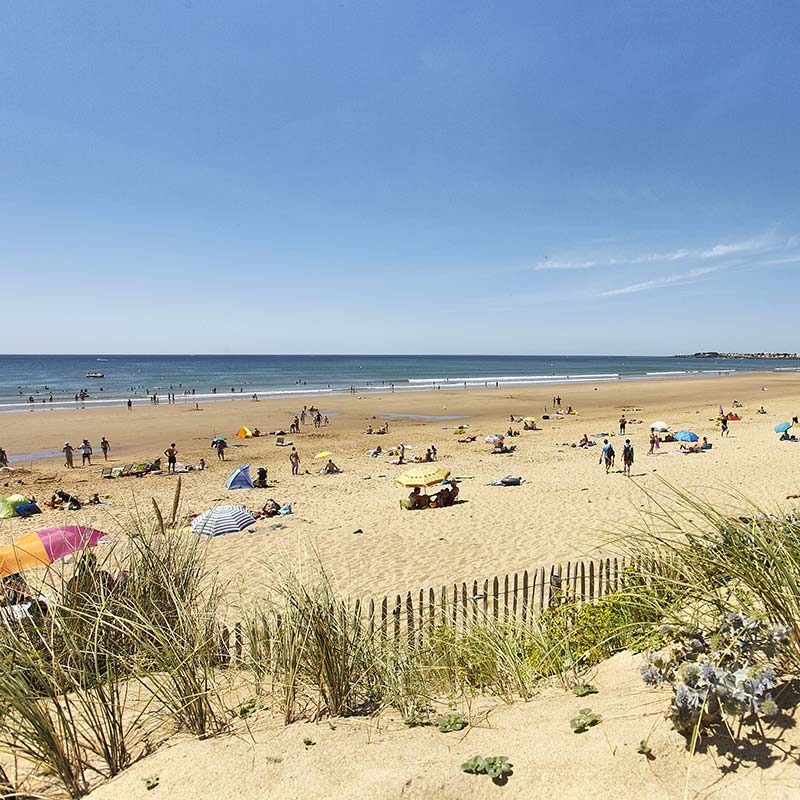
(270,508)
(761,410)
(330,468)
(584,442)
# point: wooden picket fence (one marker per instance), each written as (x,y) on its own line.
(521,597)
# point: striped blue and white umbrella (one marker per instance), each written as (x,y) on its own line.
(221,520)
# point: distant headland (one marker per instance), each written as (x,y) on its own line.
(715,354)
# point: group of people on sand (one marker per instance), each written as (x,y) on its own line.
(65,501)
(608,456)
(446,496)
(697,447)
(377,431)
(85,449)
(308,411)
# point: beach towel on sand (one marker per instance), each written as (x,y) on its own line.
(509,480)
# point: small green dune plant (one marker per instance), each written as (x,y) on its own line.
(498,768)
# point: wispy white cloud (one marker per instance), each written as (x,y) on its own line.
(676,279)
(755,244)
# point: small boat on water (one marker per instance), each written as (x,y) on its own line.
(95,375)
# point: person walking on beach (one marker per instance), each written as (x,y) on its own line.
(622,423)
(172,457)
(86,453)
(67,450)
(130,404)
(627,457)
(558,401)
(724,426)
(294,460)
(221,444)
(607,456)
(105,447)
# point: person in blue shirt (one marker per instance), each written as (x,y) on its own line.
(607,456)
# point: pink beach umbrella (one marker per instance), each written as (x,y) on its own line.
(44,547)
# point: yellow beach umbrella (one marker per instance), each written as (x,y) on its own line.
(529,419)
(324,454)
(423,475)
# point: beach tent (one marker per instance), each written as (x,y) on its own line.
(240,478)
(17,500)
(245,433)
(44,547)
(7,510)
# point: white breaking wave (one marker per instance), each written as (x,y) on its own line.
(511,378)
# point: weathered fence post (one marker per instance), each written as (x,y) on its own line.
(554,590)
(525,597)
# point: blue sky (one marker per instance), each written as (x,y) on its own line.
(373,177)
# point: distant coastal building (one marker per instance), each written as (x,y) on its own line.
(715,354)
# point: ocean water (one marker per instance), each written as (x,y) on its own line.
(193,378)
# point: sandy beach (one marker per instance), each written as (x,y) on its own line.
(353,523)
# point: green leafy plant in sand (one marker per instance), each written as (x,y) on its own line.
(451,722)
(586,719)
(498,768)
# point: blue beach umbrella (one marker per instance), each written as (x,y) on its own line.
(222,520)
(686,436)
(782,427)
